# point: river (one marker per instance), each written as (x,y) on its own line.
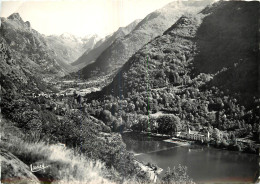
(205,164)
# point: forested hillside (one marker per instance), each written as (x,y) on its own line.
(28,44)
(151,26)
(34,122)
(196,72)
(203,71)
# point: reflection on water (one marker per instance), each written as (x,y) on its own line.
(204,164)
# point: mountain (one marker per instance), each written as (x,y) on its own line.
(91,41)
(27,43)
(91,55)
(203,70)
(150,27)
(69,47)
(221,42)
(18,74)
(25,60)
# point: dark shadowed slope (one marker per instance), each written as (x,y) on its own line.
(151,26)
(221,42)
(18,75)
(91,55)
(227,40)
(27,43)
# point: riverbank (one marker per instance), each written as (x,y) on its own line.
(156,134)
(152,171)
(200,160)
(178,142)
(240,147)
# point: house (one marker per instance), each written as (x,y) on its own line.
(243,140)
(193,135)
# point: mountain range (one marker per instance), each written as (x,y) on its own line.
(220,42)
(70,47)
(153,25)
(181,67)
(27,43)
(53,54)
(90,56)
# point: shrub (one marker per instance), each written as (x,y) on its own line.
(178,175)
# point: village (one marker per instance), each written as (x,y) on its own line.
(70,97)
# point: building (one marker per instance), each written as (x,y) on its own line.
(193,135)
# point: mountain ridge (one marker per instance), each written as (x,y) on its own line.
(27,42)
(150,27)
(91,55)
(194,65)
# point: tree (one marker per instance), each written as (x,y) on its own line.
(160,74)
(178,175)
(216,134)
(79,99)
(114,108)
(106,116)
(131,107)
(168,124)
(174,78)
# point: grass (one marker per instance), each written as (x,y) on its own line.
(65,165)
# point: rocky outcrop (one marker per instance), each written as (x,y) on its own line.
(15,16)
(26,42)
(14,170)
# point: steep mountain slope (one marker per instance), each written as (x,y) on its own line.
(204,70)
(151,26)
(223,45)
(24,117)
(91,41)
(91,55)
(18,74)
(68,47)
(27,43)
(231,44)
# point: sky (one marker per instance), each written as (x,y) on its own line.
(80,17)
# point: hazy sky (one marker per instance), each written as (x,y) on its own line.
(80,17)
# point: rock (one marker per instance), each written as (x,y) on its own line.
(15,16)
(14,170)
(28,24)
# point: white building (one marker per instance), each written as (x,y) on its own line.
(193,135)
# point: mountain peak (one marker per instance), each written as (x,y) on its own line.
(67,36)
(15,16)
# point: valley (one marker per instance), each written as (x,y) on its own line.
(177,89)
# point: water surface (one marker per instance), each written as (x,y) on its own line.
(204,164)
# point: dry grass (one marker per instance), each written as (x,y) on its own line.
(65,165)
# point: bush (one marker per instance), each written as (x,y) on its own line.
(178,175)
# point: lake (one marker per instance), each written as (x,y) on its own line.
(205,164)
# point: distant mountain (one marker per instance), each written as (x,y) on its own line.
(217,48)
(27,42)
(69,47)
(151,26)
(91,41)
(91,55)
